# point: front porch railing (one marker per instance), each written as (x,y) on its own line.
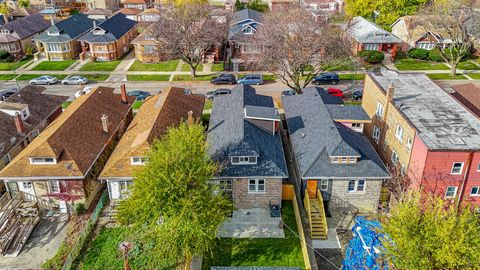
(308,207)
(322,211)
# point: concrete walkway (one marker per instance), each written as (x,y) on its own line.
(252,223)
(126,62)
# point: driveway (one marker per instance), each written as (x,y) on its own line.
(43,243)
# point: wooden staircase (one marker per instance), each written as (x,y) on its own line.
(316,217)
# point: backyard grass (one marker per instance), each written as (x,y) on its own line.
(412,64)
(94,77)
(186,67)
(446,76)
(10,65)
(467,65)
(207,77)
(54,65)
(148,78)
(101,66)
(137,104)
(66,104)
(6,77)
(475,76)
(267,252)
(217,67)
(208,104)
(358,77)
(162,66)
(27,77)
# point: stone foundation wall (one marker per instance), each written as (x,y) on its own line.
(243,199)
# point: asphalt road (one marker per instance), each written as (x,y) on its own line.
(271,89)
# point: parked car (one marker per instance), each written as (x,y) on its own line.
(251,79)
(82,92)
(335,92)
(221,91)
(287,93)
(139,94)
(358,94)
(75,80)
(224,79)
(4,94)
(326,78)
(45,79)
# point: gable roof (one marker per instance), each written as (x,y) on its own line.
(364,31)
(240,20)
(469,95)
(157,113)
(230,134)
(75,138)
(68,29)
(129,11)
(316,137)
(416,30)
(115,27)
(24,27)
(40,105)
(142,38)
(347,112)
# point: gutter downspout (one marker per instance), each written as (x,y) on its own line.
(464,181)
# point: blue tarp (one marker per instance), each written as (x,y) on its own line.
(364,250)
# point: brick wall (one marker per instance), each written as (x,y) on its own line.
(242,199)
(367,200)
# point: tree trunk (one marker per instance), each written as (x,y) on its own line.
(193,71)
(453,69)
(188,262)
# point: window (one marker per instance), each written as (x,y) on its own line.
(148,49)
(409,143)
(457,168)
(394,157)
(399,133)
(356,185)
(139,160)
(256,186)
(248,30)
(54,186)
(6,159)
(475,191)
(242,160)
(324,184)
(58,47)
(451,192)
(123,188)
(357,125)
(376,133)
(34,134)
(42,160)
(371,47)
(345,160)
(478,167)
(225,185)
(27,185)
(379,111)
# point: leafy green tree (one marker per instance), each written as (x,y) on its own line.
(173,210)
(257,5)
(24,3)
(428,233)
(388,10)
(239,5)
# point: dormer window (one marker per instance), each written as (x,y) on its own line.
(344,160)
(139,160)
(25,113)
(99,32)
(5,31)
(53,33)
(248,30)
(243,160)
(42,160)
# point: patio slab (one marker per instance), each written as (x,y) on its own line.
(252,223)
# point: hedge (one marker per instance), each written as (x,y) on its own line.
(372,57)
(420,54)
(434,55)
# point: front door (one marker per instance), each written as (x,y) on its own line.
(312,189)
(12,188)
(27,187)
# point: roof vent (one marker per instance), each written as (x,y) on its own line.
(104,119)
(457,141)
(303,135)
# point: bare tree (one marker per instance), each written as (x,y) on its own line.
(188,31)
(459,21)
(295,46)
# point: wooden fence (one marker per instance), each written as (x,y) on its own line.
(301,233)
(287,192)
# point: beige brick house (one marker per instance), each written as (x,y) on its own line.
(147,48)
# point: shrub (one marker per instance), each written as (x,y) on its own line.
(434,55)
(420,54)
(4,55)
(28,50)
(400,55)
(79,208)
(372,57)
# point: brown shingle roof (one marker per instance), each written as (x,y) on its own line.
(75,138)
(158,113)
(469,95)
(40,105)
(129,11)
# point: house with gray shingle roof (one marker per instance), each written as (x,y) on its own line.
(367,35)
(110,39)
(244,140)
(330,151)
(242,28)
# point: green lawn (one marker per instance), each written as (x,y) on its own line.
(475,76)
(208,104)
(148,77)
(6,77)
(66,104)
(446,76)
(96,77)
(137,104)
(412,64)
(467,65)
(357,77)
(27,77)
(101,66)
(217,67)
(54,65)
(162,66)
(10,65)
(268,252)
(207,77)
(186,67)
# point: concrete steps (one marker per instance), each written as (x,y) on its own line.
(318,223)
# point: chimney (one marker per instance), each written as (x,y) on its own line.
(104,119)
(94,24)
(190,118)
(52,21)
(390,91)
(19,123)
(123,92)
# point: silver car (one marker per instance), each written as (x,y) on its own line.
(75,80)
(44,80)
